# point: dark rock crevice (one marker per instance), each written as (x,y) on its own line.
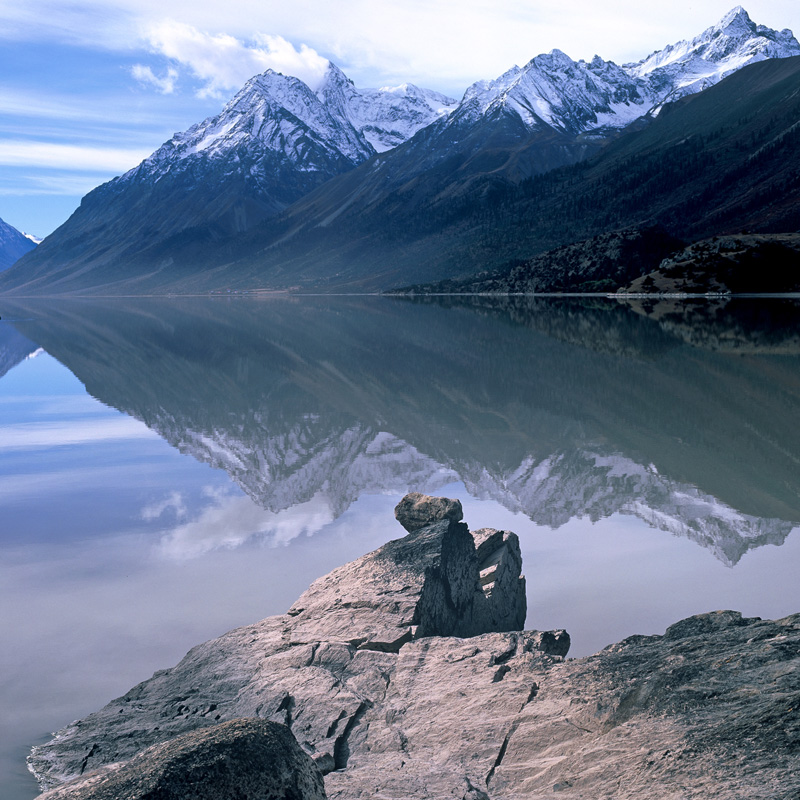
(341,748)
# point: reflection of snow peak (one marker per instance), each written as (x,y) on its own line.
(564,486)
(231,520)
(314,462)
(280,471)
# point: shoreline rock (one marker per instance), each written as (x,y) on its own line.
(402,675)
(244,759)
(747,263)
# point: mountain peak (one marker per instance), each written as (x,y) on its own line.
(689,66)
(332,76)
(738,19)
(555,59)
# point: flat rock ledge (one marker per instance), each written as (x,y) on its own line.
(405,674)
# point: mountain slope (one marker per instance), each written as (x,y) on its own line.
(274,142)
(13,245)
(721,161)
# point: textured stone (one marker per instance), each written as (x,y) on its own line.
(418,510)
(246,759)
(418,692)
(320,667)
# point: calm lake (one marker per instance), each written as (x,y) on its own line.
(170,469)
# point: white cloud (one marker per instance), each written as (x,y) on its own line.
(173,502)
(229,521)
(15,153)
(146,76)
(224,63)
(444,44)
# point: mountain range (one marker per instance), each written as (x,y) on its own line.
(334,187)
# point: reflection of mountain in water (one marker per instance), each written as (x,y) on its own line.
(551,412)
(583,483)
(280,472)
(14,348)
(736,325)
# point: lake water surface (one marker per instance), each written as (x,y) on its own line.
(170,469)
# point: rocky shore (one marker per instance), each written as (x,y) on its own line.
(745,263)
(405,674)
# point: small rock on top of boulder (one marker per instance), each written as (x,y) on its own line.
(418,510)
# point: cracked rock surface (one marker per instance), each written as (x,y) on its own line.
(404,675)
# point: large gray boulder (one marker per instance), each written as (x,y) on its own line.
(402,676)
(322,666)
(432,582)
(245,759)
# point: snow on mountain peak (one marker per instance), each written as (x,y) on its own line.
(689,66)
(278,126)
(280,113)
(580,97)
(737,20)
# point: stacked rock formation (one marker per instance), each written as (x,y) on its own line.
(405,674)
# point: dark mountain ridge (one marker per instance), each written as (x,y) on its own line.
(721,161)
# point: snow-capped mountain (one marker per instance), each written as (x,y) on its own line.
(553,90)
(577,97)
(691,66)
(278,138)
(389,116)
(321,132)
(13,244)
(274,142)
(193,216)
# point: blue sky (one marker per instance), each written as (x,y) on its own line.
(91,87)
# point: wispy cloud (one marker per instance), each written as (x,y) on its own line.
(43,185)
(173,503)
(222,62)
(16,153)
(164,84)
(230,521)
(43,105)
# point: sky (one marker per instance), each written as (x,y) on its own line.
(91,87)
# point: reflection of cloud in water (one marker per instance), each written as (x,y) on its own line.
(27,436)
(174,502)
(230,521)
